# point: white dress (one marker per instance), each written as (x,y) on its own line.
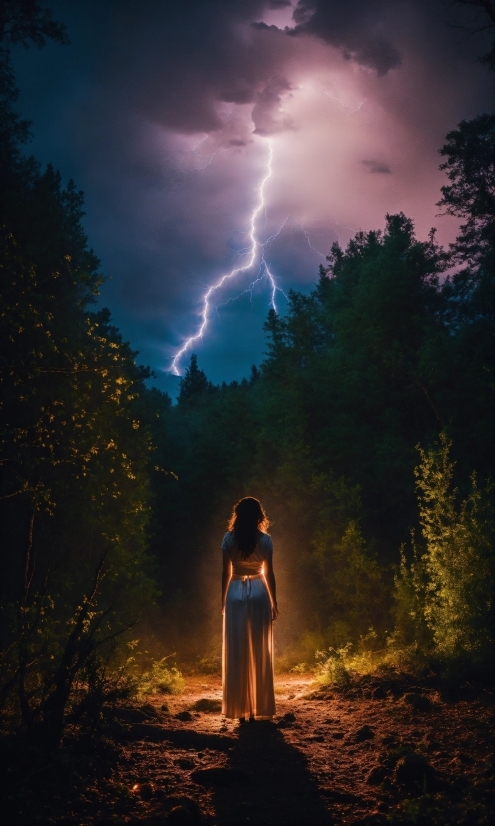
(247,662)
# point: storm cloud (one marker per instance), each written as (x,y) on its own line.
(164,113)
(357,28)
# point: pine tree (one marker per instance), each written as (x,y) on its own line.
(194,382)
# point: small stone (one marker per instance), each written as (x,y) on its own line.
(418,702)
(146,791)
(364,733)
(184,716)
(148,709)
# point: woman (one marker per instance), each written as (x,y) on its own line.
(249,606)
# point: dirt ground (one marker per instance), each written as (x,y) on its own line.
(382,751)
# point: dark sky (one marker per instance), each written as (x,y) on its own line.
(166,115)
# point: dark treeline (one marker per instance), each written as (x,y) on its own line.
(370,418)
(74,455)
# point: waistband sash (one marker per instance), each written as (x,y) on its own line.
(246,581)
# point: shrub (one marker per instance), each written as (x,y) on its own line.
(448,589)
(161,679)
(331,668)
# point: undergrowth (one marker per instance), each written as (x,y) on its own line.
(161,678)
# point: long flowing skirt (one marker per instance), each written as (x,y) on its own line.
(248,650)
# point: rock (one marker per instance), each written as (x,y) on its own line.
(316,738)
(148,709)
(379,693)
(413,772)
(287,720)
(390,740)
(184,716)
(186,813)
(146,791)
(207,705)
(376,775)
(419,702)
(363,733)
(164,707)
(218,776)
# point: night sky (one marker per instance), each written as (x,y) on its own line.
(165,114)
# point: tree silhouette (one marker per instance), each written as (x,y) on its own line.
(193,383)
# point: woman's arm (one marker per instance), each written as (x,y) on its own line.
(271,584)
(226,574)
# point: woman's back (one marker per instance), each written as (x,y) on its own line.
(253,565)
(249,606)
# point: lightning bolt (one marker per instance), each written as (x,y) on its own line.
(345,106)
(253,250)
(308,239)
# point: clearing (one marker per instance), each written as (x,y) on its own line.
(388,749)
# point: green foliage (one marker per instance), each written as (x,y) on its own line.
(74,449)
(352,581)
(411,628)
(470,165)
(300,668)
(444,597)
(193,384)
(458,559)
(161,678)
(331,667)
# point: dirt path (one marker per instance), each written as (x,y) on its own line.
(335,758)
(384,751)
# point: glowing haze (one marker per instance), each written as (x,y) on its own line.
(223,145)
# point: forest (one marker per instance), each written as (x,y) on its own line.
(366,432)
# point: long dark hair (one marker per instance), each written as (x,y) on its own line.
(247,520)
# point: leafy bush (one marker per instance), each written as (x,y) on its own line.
(300,668)
(444,597)
(331,668)
(161,679)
